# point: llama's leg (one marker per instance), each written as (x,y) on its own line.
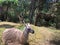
(6,43)
(26,43)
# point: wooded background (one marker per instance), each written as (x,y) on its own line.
(37,12)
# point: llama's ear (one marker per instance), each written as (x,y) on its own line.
(26,25)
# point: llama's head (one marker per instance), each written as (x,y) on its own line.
(29,29)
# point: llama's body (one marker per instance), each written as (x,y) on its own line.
(13,35)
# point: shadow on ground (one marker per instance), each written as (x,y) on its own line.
(27,43)
(6,26)
(55,42)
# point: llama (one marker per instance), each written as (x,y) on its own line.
(16,35)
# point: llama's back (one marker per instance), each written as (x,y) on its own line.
(11,35)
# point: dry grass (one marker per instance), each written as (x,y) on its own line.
(42,35)
(10,23)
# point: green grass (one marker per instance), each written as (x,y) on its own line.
(1,30)
(21,27)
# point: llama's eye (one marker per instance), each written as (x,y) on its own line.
(29,29)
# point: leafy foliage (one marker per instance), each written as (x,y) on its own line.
(28,9)
(15,1)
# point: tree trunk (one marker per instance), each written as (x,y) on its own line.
(32,9)
(58,17)
(58,22)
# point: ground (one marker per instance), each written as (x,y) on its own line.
(42,35)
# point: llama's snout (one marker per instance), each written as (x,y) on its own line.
(32,31)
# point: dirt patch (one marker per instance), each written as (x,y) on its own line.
(6,26)
(9,23)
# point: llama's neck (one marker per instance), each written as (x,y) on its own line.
(25,35)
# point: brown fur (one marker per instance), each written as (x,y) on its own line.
(13,35)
